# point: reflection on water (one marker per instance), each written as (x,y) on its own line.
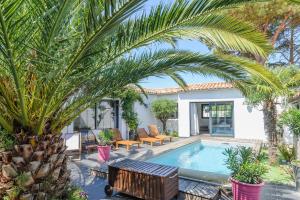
(196,156)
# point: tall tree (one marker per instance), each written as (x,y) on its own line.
(267,98)
(59,57)
(163,109)
(274,18)
(287,49)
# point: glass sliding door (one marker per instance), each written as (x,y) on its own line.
(221,118)
(103,115)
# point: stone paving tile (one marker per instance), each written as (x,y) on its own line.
(279,192)
(94,186)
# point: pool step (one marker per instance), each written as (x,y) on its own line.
(194,190)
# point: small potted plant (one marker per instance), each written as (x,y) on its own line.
(247,171)
(104,139)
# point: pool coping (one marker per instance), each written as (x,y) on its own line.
(216,178)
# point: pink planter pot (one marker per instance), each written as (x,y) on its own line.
(245,191)
(103,153)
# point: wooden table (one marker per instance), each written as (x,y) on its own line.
(143,180)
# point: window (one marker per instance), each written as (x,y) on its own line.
(204,110)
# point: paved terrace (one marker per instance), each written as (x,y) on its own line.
(94,185)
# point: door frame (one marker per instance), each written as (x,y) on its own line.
(210,118)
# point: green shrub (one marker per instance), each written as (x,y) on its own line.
(174,134)
(164,109)
(287,153)
(7,141)
(105,137)
(76,193)
(245,164)
(291,119)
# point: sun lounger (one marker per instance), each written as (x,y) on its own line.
(144,137)
(154,132)
(118,140)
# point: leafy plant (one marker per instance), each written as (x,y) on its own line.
(60,57)
(105,137)
(128,97)
(163,109)
(296,163)
(287,153)
(291,118)
(13,193)
(78,53)
(21,180)
(173,134)
(7,140)
(76,193)
(245,164)
(263,95)
(290,171)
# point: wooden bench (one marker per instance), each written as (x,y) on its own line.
(143,180)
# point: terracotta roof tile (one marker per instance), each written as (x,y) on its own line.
(190,87)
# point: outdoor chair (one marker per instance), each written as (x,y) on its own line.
(144,137)
(91,142)
(73,144)
(118,140)
(154,132)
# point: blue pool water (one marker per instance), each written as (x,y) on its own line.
(207,157)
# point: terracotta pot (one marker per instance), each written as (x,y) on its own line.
(245,191)
(104,153)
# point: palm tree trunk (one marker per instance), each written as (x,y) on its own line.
(37,168)
(270,124)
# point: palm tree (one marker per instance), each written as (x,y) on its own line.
(268,98)
(59,57)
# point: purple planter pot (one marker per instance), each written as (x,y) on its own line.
(103,153)
(245,191)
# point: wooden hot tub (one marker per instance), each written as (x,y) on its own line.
(143,180)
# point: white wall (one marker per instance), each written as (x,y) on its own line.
(146,117)
(248,122)
(144,113)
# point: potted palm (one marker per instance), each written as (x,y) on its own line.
(247,171)
(104,139)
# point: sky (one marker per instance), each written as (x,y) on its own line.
(163,82)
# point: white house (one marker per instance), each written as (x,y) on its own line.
(217,109)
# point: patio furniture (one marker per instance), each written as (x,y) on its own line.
(143,180)
(118,140)
(144,137)
(154,132)
(91,141)
(73,144)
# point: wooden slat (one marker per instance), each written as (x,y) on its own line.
(144,180)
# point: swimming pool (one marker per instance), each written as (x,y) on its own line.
(200,157)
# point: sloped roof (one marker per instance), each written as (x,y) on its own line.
(190,87)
